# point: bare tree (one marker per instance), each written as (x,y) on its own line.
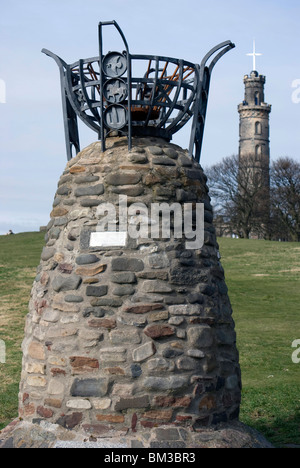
(239,189)
(285,198)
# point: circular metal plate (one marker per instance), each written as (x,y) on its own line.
(115,117)
(114,64)
(115,90)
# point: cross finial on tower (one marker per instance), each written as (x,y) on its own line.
(254,55)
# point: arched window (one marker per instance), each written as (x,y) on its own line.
(258,128)
(257,98)
(258,152)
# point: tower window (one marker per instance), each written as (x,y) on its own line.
(258,152)
(257,98)
(258,128)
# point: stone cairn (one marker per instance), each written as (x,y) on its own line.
(134,344)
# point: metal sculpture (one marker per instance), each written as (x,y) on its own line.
(103,93)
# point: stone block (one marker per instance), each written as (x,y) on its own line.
(123,178)
(90,387)
(127,264)
(132,403)
(47,253)
(36,351)
(159,331)
(61,283)
(107,323)
(142,308)
(81,364)
(90,271)
(185,309)
(171,383)
(96,291)
(36,381)
(144,352)
(79,404)
(156,286)
(89,190)
(124,290)
(101,403)
(160,365)
(200,336)
(86,259)
(125,336)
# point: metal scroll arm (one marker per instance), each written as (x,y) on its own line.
(201,101)
(69,114)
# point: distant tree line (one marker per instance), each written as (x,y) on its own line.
(251,201)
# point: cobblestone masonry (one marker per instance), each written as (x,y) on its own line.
(130,340)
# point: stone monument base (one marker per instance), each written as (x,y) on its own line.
(22,434)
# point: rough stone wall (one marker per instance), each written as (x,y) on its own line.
(125,340)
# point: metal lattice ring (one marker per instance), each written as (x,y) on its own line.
(114,64)
(115,90)
(115,117)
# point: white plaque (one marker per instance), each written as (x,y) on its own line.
(108,239)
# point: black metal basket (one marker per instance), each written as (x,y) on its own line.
(107,95)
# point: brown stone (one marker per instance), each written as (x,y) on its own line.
(54,402)
(81,364)
(152,179)
(77,169)
(44,412)
(44,279)
(159,331)
(142,308)
(114,370)
(111,418)
(65,307)
(90,281)
(29,410)
(25,397)
(58,211)
(182,402)
(40,306)
(65,268)
(159,415)
(90,271)
(183,417)
(36,351)
(56,371)
(102,323)
(167,401)
(149,424)
(208,402)
(70,421)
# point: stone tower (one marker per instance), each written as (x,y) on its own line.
(254,126)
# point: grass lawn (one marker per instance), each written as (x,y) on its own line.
(263,281)
(264,287)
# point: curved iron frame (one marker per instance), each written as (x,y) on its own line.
(162,105)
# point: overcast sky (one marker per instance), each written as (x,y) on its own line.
(32,147)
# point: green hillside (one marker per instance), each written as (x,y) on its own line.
(263,281)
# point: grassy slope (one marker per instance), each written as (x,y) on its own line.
(19,257)
(263,280)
